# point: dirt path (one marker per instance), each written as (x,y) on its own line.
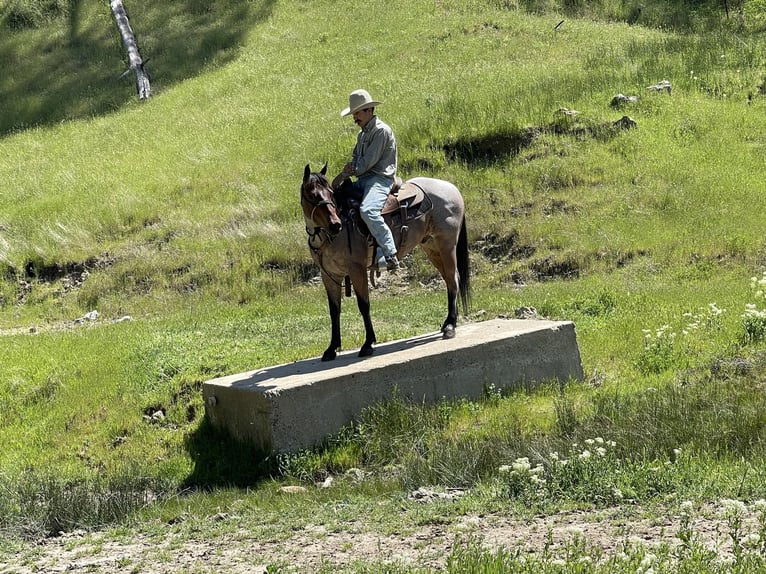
(168,551)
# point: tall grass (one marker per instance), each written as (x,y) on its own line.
(715,417)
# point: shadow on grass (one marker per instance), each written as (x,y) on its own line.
(69,68)
(220,460)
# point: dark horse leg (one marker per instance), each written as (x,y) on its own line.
(445,260)
(363,302)
(333,300)
(362,292)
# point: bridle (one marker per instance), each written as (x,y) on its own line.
(319,236)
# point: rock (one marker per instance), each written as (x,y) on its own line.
(89,316)
(660,86)
(622,99)
(625,123)
(356,474)
(526,313)
(566,112)
(424,494)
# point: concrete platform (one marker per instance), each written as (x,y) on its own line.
(297,405)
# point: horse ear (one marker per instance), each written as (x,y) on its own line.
(306,173)
(324,169)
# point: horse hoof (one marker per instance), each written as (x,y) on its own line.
(448,332)
(329,356)
(366,351)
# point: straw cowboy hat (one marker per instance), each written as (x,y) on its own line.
(359,100)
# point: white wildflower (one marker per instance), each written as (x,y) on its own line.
(521,464)
(585,455)
(505,469)
(733,508)
(751,540)
(648,560)
(715,310)
(537,470)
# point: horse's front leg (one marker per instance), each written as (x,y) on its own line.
(333,301)
(362,292)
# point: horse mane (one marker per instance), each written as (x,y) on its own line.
(317,178)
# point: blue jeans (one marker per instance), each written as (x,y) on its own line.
(375,189)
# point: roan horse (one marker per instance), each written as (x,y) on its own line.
(343,249)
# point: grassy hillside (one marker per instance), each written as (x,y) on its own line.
(181,212)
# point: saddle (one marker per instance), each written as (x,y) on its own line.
(406,199)
(403,195)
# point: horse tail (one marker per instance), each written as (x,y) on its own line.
(463,268)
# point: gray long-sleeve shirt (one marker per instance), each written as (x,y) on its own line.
(375,150)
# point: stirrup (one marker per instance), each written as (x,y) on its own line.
(390,263)
(378,264)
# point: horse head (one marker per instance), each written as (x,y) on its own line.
(318,203)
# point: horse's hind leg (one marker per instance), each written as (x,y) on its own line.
(445,260)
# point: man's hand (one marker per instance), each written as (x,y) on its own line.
(339,179)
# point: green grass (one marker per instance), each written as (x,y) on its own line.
(181,212)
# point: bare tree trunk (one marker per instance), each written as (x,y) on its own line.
(129,42)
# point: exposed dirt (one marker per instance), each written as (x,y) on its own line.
(170,550)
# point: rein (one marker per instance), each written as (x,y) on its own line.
(324,236)
(318,231)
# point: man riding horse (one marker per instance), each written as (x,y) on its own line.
(373,162)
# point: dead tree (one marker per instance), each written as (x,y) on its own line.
(136,64)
